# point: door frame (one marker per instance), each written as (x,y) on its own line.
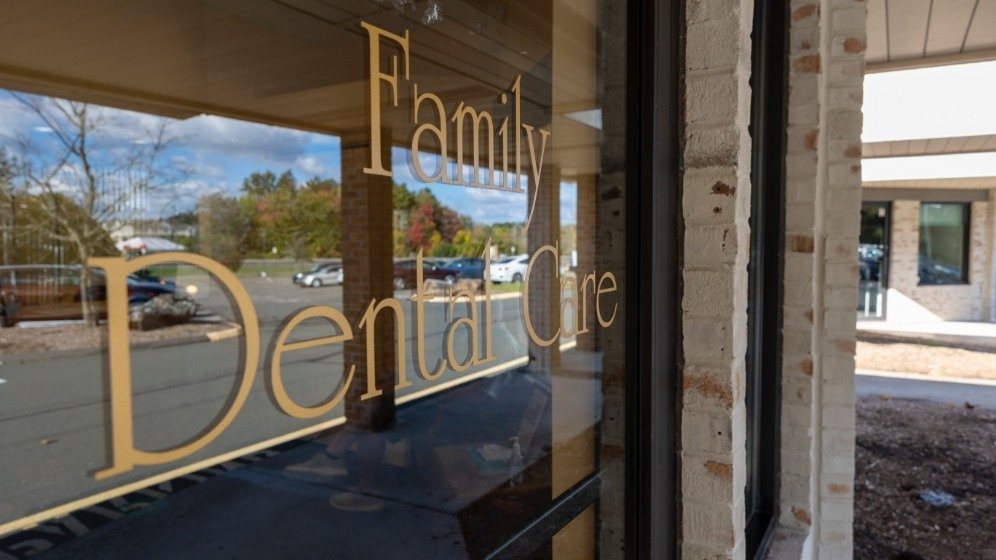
(885,264)
(654,293)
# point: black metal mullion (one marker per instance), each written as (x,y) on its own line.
(653,291)
(768,121)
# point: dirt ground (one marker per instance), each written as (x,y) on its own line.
(906,447)
(77,337)
(926,359)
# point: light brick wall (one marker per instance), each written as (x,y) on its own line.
(990,249)
(716,199)
(822,216)
(907,300)
(823,201)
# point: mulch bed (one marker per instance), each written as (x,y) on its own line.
(79,337)
(905,447)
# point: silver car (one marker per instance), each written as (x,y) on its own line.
(329,274)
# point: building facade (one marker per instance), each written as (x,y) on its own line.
(598,265)
(928,175)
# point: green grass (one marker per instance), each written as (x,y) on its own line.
(506,288)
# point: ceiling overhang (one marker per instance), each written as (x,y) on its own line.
(905,34)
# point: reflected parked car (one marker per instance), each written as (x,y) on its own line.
(467,267)
(509,269)
(938,273)
(404,273)
(328,274)
(53,292)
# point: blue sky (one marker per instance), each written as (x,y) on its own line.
(215,154)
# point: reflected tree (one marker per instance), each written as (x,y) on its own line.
(84,156)
(223,228)
(8,210)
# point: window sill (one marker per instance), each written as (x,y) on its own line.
(787,543)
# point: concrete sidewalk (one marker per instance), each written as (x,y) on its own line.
(976,335)
(978,392)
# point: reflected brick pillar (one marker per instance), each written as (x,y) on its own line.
(544,284)
(611,201)
(367,259)
(587,247)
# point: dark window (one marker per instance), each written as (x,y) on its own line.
(943,243)
(768,84)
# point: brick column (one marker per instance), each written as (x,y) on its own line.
(716,207)
(544,283)
(822,218)
(610,198)
(588,230)
(989,246)
(368,268)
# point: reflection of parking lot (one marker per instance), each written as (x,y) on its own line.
(179,388)
(427,469)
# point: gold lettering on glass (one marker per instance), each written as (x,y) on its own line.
(476,325)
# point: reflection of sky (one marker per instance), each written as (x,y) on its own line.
(215,154)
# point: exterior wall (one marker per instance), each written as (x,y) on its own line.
(910,302)
(822,219)
(716,200)
(991,259)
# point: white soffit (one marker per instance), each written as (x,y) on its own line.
(919,168)
(938,102)
(971,183)
(918,33)
(930,146)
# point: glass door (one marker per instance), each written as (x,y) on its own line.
(349,278)
(873,260)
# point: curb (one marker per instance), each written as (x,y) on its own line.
(214,336)
(478,298)
(925,377)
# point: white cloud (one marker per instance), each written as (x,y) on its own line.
(15,118)
(313,166)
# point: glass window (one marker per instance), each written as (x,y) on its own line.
(764,273)
(206,387)
(943,243)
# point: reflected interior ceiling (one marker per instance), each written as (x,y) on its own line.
(300,63)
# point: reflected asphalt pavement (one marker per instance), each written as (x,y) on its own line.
(53,410)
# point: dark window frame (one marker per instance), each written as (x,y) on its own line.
(654,294)
(886,238)
(769,85)
(966,265)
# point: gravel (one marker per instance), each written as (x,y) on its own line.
(909,449)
